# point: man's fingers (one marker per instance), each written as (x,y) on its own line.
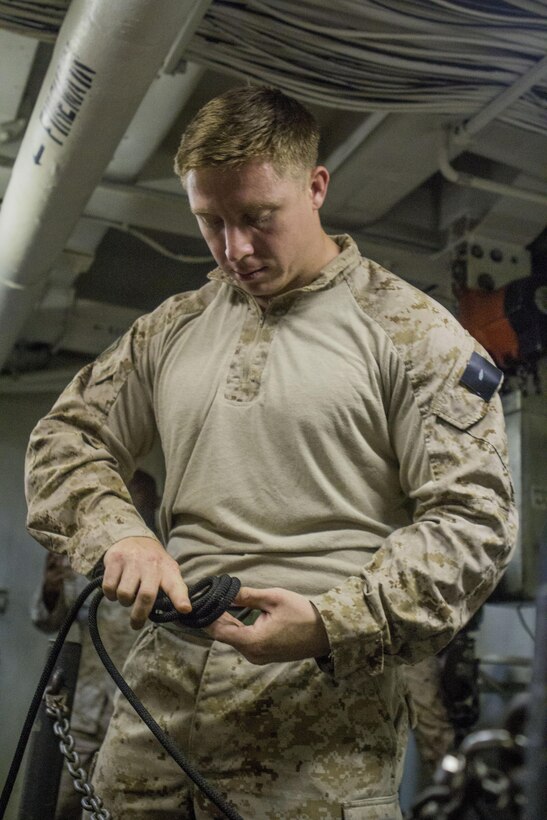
(128,589)
(253,598)
(288,628)
(226,621)
(140,611)
(172,585)
(144,602)
(135,570)
(227,629)
(176,589)
(111,579)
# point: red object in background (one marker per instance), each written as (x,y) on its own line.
(482,313)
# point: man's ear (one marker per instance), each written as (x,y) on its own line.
(319,182)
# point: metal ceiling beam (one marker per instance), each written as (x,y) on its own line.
(142,207)
(347,147)
(501,102)
(398,156)
(499,141)
(159,109)
(16,58)
(521,224)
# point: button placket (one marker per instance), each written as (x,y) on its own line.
(247,366)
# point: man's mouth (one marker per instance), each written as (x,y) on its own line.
(247,276)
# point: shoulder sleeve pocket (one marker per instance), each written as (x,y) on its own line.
(114,363)
(459,407)
(103,370)
(108,374)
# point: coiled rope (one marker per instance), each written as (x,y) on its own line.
(210,597)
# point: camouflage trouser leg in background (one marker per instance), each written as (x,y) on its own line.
(434,733)
(281,741)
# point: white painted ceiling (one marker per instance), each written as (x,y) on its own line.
(404,93)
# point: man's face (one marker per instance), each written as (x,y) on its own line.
(262,228)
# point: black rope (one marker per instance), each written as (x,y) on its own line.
(38,695)
(209,598)
(167,743)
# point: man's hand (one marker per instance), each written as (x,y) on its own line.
(288,629)
(135,569)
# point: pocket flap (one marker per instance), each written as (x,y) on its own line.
(103,370)
(373,808)
(459,407)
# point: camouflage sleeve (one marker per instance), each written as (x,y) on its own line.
(82,453)
(427,579)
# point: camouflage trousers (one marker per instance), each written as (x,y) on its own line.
(280,741)
(434,733)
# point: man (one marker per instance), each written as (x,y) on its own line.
(95,690)
(323,443)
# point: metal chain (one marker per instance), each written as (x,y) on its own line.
(91,802)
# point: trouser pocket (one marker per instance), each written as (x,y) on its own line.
(372,808)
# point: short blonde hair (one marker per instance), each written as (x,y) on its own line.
(248,123)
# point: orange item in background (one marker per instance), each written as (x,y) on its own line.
(482,313)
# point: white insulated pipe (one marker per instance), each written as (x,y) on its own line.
(106,56)
(481,183)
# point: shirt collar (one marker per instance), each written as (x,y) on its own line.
(346,261)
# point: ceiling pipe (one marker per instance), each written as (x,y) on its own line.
(501,189)
(159,109)
(106,56)
(174,62)
(461,136)
(501,102)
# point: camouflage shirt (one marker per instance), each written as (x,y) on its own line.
(325,444)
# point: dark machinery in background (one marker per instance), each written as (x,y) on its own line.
(460,680)
(500,773)
(502,302)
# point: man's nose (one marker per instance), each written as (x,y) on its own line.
(238,244)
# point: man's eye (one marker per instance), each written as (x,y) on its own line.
(259,219)
(210,221)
